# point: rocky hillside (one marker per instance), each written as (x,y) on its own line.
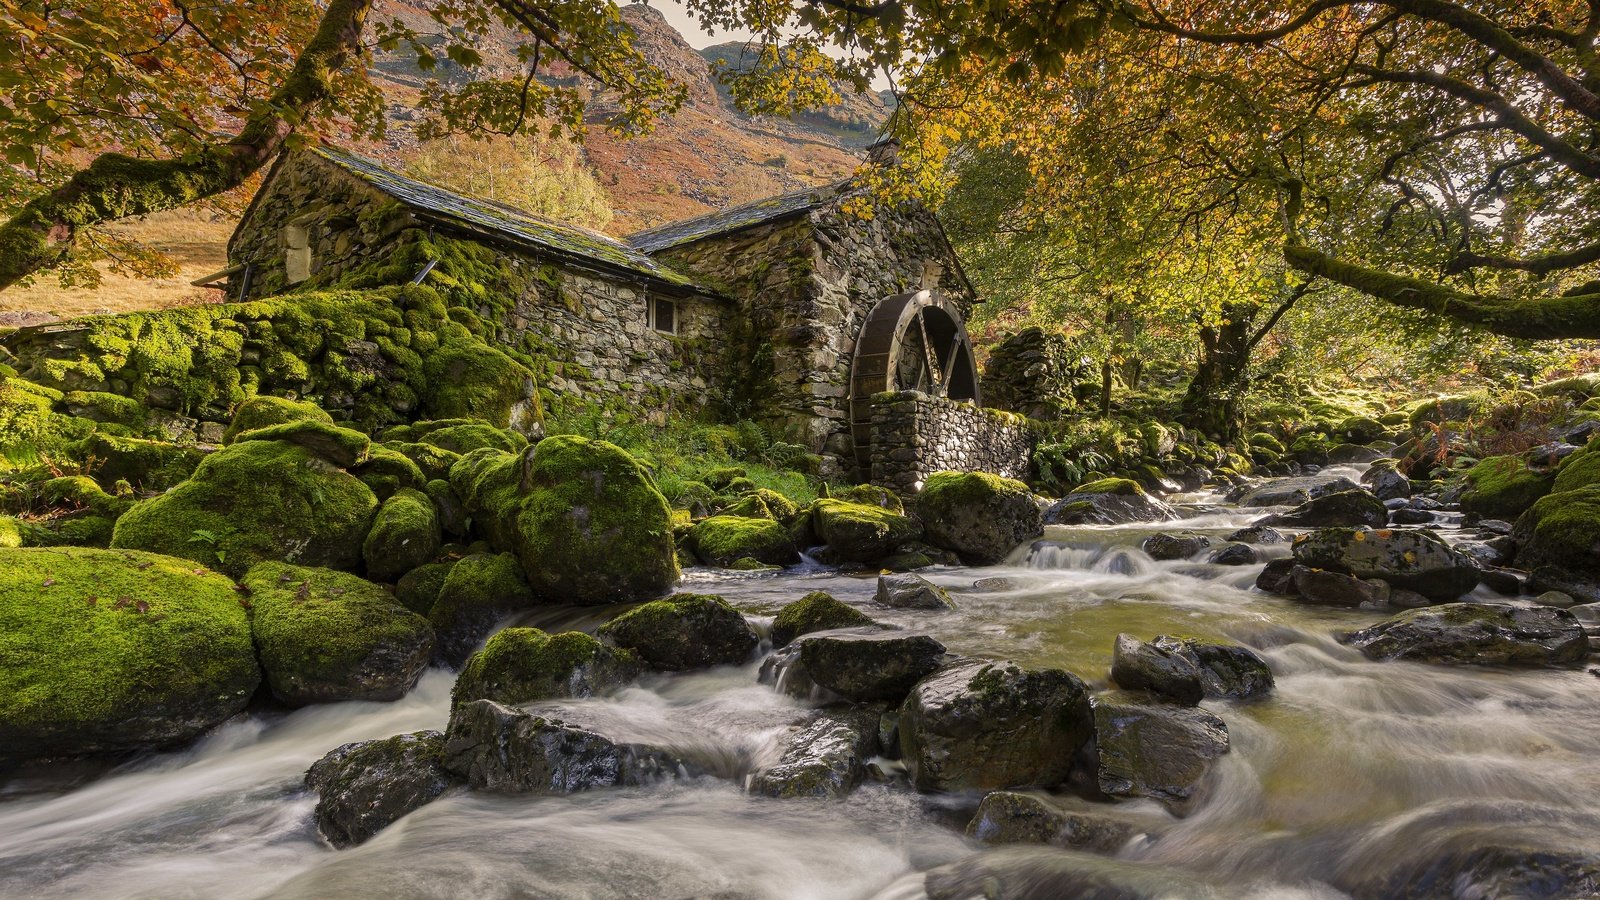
(709,155)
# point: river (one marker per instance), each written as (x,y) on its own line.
(1351,769)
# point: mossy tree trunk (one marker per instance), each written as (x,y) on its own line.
(116,186)
(1214,400)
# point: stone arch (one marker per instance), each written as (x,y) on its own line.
(909,342)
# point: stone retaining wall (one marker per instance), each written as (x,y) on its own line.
(915,435)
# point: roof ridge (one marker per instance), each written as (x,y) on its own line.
(735,218)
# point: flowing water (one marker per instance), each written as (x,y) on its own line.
(1351,770)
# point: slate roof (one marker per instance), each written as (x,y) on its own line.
(735,218)
(497,220)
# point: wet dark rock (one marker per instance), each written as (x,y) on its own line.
(992,724)
(1451,862)
(1355,507)
(1165,546)
(816,611)
(1410,516)
(1494,527)
(1227,671)
(1032,873)
(994,584)
(1257,534)
(1329,588)
(1014,817)
(1404,599)
(1556,599)
(1502,581)
(363,788)
(1291,491)
(1386,483)
(1138,666)
(870,667)
(1146,748)
(1233,555)
(499,748)
(1585,587)
(1412,559)
(1352,453)
(1483,554)
(911,591)
(1110,501)
(1277,576)
(825,757)
(1477,634)
(683,632)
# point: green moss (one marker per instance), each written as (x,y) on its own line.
(477,592)
(324,635)
(873,495)
(10,532)
(750,506)
(419,588)
(1580,470)
(1562,530)
(265,411)
(1502,487)
(1120,486)
(683,631)
(488,483)
(387,471)
(721,540)
(952,489)
(147,465)
(405,534)
(859,532)
(524,665)
(433,462)
(816,611)
(469,436)
(341,446)
(473,381)
(104,407)
(109,650)
(253,502)
(75,492)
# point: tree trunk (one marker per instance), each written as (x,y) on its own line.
(115,186)
(1212,401)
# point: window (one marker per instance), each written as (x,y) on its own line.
(296,253)
(662,315)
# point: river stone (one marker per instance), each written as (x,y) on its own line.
(1413,559)
(363,788)
(524,665)
(1387,483)
(500,748)
(477,592)
(1354,508)
(870,667)
(1146,748)
(1257,534)
(1015,817)
(816,611)
(1290,491)
(1110,501)
(981,517)
(1227,671)
(683,632)
(1166,546)
(1327,588)
(1277,576)
(857,532)
(1233,555)
(824,758)
(1027,873)
(911,591)
(404,535)
(1488,634)
(984,725)
(1136,665)
(1344,454)
(1407,515)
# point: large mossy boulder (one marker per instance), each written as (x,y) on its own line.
(866,668)
(1109,501)
(116,650)
(1503,487)
(148,465)
(1147,748)
(723,540)
(1416,560)
(470,380)
(1562,532)
(1580,470)
(264,411)
(684,631)
(405,534)
(981,517)
(1488,634)
(858,532)
(584,519)
(816,611)
(253,502)
(325,636)
(365,787)
(986,725)
(478,591)
(523,665)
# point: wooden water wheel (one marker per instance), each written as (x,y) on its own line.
(910,342)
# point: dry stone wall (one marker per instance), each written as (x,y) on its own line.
(915,435)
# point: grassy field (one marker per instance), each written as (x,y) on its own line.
(196,240)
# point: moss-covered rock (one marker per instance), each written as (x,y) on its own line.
(1478,634)
(1417,560)
(1561,531)
(148,465)
(684,631)
(522,665)
(433,462)
(861,533)
(873,495)
(253,502)
(325,636)
(1502,487)
(264,411)
(722,540)
(115,650)
(583,517)
(1580,470)
(418,589)
(405,534)
(464,437)
(816,611)
(342,447)
(469,380)
(478,591)
(981,517)
(387,471)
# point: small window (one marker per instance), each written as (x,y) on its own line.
(663,315)
(296,253)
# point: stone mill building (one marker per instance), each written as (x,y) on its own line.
(841,332)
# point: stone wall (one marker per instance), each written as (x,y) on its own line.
(915,435)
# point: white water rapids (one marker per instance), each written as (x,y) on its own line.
(1350,769)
